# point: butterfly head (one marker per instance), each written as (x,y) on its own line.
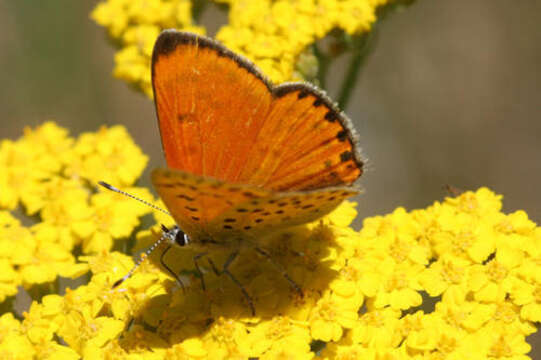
(175,236)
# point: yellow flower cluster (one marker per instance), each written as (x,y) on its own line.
(367,293)
(53,176)
(272,33)
(135,25)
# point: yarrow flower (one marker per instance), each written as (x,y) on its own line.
(59,186)
(276,35)
(364,291)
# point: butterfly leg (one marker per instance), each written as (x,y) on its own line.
(282,271)
(226,271)
(198,269)
(169,269)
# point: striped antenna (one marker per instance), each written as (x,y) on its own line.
(112,188)
(167,234)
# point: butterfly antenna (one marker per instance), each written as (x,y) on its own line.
(165,235)
(112,188)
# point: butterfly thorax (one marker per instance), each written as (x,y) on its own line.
(204,242)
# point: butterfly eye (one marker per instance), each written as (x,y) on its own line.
(181,238)
(175,236)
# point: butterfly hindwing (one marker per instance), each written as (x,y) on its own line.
(278,211)
(194,201)
(205,207)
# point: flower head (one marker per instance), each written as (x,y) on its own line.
(361,290)
(273,34)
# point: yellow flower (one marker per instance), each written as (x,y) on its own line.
(108,155)
(27,259)
(86,334)
(37,197)
(377,329)
(135,25)
(16,245)
(503,342)
(48,260)
(493,281)
(356,16)
(482,202)
(360,288)
(332,315)
(133,68)
(13,342)
(443,273)
(64,217)
(342,350)
(280,337)
(114,216)
(41,322)
(226,339)
(457,311)
(421,330)
(26,163)
(273,34)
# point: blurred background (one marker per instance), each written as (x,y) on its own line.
(451,95)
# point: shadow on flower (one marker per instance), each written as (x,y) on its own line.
(306,253)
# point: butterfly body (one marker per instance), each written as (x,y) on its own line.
(245,158)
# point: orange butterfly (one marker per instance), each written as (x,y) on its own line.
(245,157)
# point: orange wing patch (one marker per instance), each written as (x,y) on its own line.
(220,117)
(305,143)
(210,105)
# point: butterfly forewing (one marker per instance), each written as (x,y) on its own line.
(210,107)
(220,117)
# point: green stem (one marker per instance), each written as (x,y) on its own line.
(198,7)
(323,63)
(361,46)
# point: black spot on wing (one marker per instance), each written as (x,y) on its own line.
(331,116)
(185,197)
(342,135)
(302,94)
(346,155)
